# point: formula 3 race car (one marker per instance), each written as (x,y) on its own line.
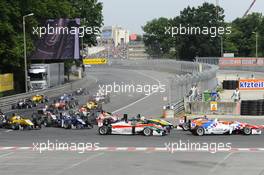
(186,124)
(225,127)
(73,121)
(165,124)
(131,127)
(17,122)
(3,120)
(39,98)
(23,104)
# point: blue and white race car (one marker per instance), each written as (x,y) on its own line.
(224,127)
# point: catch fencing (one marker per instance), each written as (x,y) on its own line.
(185,75)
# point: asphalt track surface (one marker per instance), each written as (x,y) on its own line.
(116,154)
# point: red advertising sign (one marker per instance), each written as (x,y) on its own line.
(229,62)
(133,37)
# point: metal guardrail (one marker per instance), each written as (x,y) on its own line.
(186,74)
(178,107)
(6,102)
(215,61)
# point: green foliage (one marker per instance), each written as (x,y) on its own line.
(156,41)
(241,40)
(11,28)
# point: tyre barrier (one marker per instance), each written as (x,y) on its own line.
(230,84)
(252,107)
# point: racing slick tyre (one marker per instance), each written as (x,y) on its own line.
(199,131)
(147,132)
(67,126)
(79,126)
(15,127)
(89,126)
(247,131)
(103,130)
(185,126)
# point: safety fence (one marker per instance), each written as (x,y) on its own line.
(6,102)
(184,76)
(237,63)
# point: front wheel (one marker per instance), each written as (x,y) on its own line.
(199,131)
(79,126)
(147,132)
(89,126)
(185,126)
(103,130)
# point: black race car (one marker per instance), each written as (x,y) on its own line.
(24,104)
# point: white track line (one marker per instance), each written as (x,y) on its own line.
(79,163)
(141,99)
(139,149)
(5,155)
(220,163)
(9,130)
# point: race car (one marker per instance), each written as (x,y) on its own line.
(165,124)
(23,104)
(59,105)
(81,91)
(186,124)
(44,117)
(73,121)
(17,122)
(102,98)
(39,98)
(131,127)
(224,127)
(3,120)
(93,105)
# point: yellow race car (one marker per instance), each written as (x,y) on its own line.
(39,99)
(92,105)
(17,122)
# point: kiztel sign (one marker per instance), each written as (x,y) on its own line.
(251,84)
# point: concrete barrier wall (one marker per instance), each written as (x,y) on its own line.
(223,108)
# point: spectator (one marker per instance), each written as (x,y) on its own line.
(236,95)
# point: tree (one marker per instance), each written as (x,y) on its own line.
(243,36)
(186,46)
(205,16)
(156,41)
(11,32)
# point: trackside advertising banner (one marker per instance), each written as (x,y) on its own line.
(6,82)
(251,84)
(233,62)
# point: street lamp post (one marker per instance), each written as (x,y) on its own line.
(25,49)
(256,43)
